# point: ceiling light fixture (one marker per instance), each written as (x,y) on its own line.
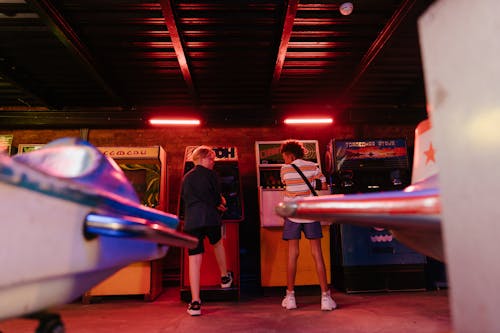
(308,121)
(179,122)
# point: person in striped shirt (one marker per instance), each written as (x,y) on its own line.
(293,152)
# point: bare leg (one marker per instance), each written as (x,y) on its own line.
(293,256)
(220,256)
(320,263)
(194,275)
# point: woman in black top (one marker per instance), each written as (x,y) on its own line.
(203,204)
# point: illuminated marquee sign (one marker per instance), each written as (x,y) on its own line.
(221,153)
(374,153)
(26,148)
(269,152)
(130,152)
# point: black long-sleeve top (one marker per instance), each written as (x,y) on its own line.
(201,195)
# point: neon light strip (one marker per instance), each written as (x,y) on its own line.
(308,121)
(160,121)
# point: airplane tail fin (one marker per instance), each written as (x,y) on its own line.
(424,157)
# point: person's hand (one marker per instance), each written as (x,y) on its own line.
(222,206)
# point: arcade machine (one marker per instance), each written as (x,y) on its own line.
(226,167)
(273,250)
(370,259)
(6,143)
(146,169)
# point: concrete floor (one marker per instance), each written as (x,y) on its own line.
(258,310)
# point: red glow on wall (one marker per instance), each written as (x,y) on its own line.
(308,121)
(174,122)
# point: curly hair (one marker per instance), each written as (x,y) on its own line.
(294,147)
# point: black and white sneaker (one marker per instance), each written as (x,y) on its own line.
(194,308)
(226,281)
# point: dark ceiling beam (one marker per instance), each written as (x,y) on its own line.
(90,118)
(384,114)
(69,38)
(23,84)
(168,14)
(291,12)
(378,44)
(413,94)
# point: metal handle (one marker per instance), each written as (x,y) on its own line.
(134,227)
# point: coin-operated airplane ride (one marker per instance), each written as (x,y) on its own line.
(412,215)
(69,220)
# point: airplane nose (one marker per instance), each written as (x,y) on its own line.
(286,209)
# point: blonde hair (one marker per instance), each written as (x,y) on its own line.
(201,152)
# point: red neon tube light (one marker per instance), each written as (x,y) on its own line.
(180,122)
(307,121)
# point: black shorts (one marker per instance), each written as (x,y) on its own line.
(214,234)
(293,230)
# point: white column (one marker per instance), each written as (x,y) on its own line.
(460,42)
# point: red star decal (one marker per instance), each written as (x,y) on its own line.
(429,153)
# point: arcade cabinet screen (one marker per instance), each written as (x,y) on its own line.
(271,178)
(371,165)
(145,178)
(229,179)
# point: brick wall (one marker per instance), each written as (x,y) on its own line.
(174,141)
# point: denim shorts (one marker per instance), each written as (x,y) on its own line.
(292,230)
(214,234)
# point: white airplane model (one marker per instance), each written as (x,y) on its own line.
(412,215)
(69,220)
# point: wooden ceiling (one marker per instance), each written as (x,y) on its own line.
(115,63)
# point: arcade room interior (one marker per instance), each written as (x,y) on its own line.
(103,104)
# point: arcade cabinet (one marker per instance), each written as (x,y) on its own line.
(370,259)
(6,143)
(227,169)
(146,169)
(274,250)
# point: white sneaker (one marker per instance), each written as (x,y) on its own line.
(327,302)
(289,301)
